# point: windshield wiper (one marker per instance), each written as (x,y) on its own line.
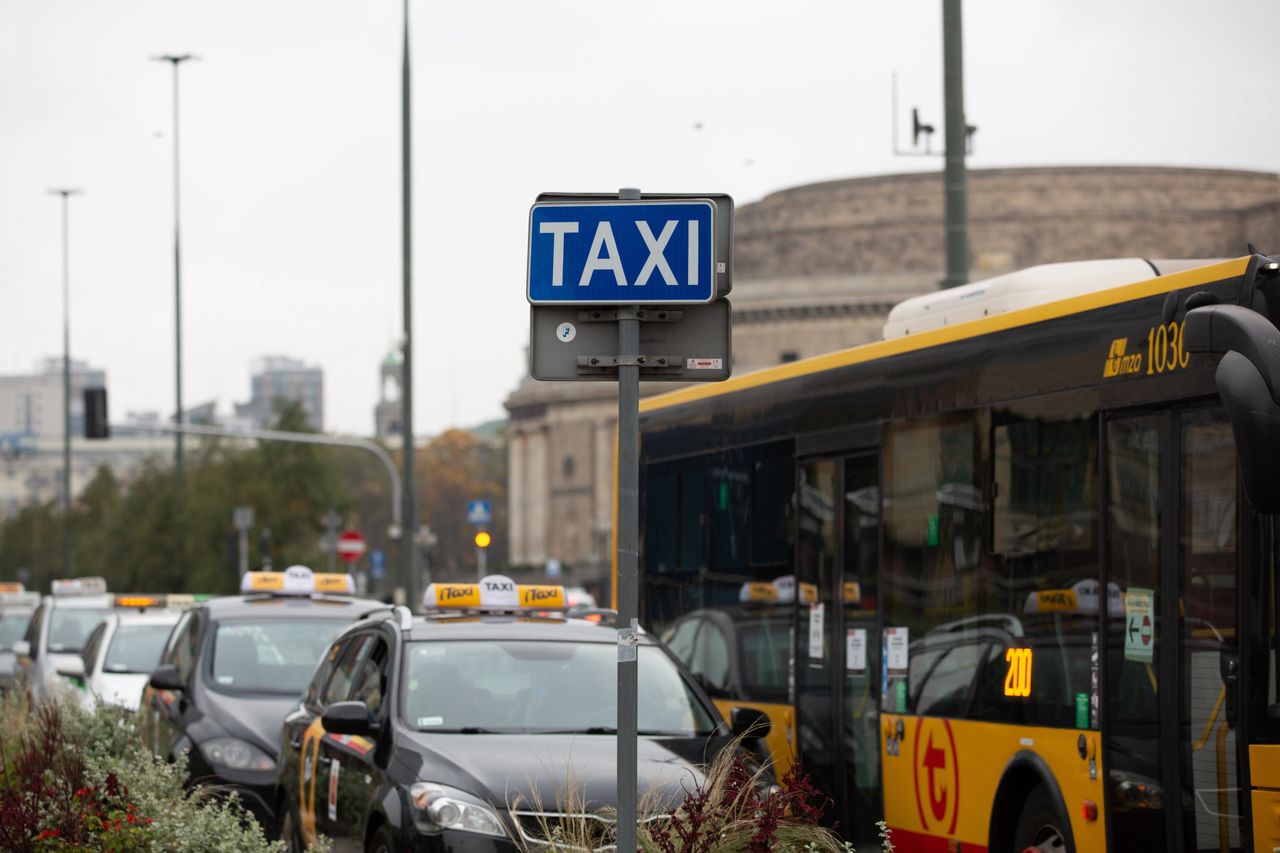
(475,730)
(589,730)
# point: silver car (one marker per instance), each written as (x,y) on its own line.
(17,606)
(49,653)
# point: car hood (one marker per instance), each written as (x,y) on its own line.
(536,772)
(120,688)
(254,717)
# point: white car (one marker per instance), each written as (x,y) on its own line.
(120,654)
(49,653)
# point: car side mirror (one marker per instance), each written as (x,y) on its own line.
(22,649)
(750,722)
(71,668)
(166,677)
(349,718)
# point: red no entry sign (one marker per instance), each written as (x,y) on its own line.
(350,546)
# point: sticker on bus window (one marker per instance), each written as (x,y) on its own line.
(817,621)
(428,722)
(855,650)
(896,649)
(1139,625)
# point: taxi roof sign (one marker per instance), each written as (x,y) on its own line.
(494,593)
(782,590)
(79,586)
(14,594)
(141,602)
(298,580)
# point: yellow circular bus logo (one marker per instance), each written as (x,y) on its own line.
(937,776)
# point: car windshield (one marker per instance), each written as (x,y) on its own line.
(267,656)
(12,627)
(71,626)
(136,648)
(541,687)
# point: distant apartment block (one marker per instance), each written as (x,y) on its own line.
(31,403)
(280,378)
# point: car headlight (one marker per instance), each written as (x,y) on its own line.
(437,807)
(236,754)
(1135,791)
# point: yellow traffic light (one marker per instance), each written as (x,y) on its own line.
(483,539)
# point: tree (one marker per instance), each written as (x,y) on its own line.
(453,469)
(147,537)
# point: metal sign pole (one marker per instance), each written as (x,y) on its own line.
(628,550)
(628,589)
(570,339)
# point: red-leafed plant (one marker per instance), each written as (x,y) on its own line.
(735,809)
(47,802)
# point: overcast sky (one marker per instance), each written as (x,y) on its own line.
(291,158)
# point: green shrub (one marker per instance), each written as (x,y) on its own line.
(73,780)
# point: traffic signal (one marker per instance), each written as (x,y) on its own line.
(95,413)
(483,539)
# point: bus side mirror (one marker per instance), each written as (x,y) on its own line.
(1255,422)
(1248,380)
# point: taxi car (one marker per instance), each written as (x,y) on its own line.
(17,606)
(50,650)
(480,726)
(233,667)
(125,647)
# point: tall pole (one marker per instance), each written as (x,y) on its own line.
(628,550)
(67,561)
(408,567)
(175,60)
(954,175)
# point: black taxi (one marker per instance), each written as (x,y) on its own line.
(233,667)
(480,726)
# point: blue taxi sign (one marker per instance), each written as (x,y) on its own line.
(622,252)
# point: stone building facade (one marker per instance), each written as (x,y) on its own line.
(817,268)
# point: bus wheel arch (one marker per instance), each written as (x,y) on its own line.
(1025,773)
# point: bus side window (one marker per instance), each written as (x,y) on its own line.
(1044,555)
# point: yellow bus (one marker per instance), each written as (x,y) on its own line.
(1005,579)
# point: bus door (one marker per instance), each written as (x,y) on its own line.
(1174,757)
(838,635)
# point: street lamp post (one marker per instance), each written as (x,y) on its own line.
(66,382)
(408,554)
(175,60)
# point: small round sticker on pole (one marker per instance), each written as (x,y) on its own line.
(566,332)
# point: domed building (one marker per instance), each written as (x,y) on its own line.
(817,268)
